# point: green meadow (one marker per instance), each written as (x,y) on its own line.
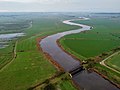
(65,85)
(114,62)
(30,67)
(102,38)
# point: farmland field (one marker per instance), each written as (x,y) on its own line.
(30,66)
(114,61)
(65,85)
(103,38)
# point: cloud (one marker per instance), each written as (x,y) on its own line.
(30,1)
(22,1)
(60,5)
(3,10)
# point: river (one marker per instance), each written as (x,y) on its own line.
(84,79)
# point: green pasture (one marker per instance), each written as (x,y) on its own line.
(113,76)
(102,38)
(64,85)
(31,67)
(114,62)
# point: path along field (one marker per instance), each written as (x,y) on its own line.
(114,61)
(30,66)
(103,38)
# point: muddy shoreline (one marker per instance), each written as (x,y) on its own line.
(58,43)
(49,58)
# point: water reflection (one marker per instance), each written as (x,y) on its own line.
(85,80)
(5,38)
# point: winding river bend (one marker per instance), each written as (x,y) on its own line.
(85,80)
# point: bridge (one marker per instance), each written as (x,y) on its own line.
(75,71)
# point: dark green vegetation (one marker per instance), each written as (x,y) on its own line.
(30,66)
(97,44)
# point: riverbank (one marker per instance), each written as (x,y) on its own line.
(49,58)
(74,55)
(50,46)
(31,66)
(93,70)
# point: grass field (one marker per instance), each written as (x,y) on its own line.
(62,82)
(31,67)
(85,47)
(112,76)
(6,54)
(104,37)
(114,62)
(65,85)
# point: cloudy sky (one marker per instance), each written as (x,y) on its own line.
(59,5)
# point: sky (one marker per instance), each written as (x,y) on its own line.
(59,5)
